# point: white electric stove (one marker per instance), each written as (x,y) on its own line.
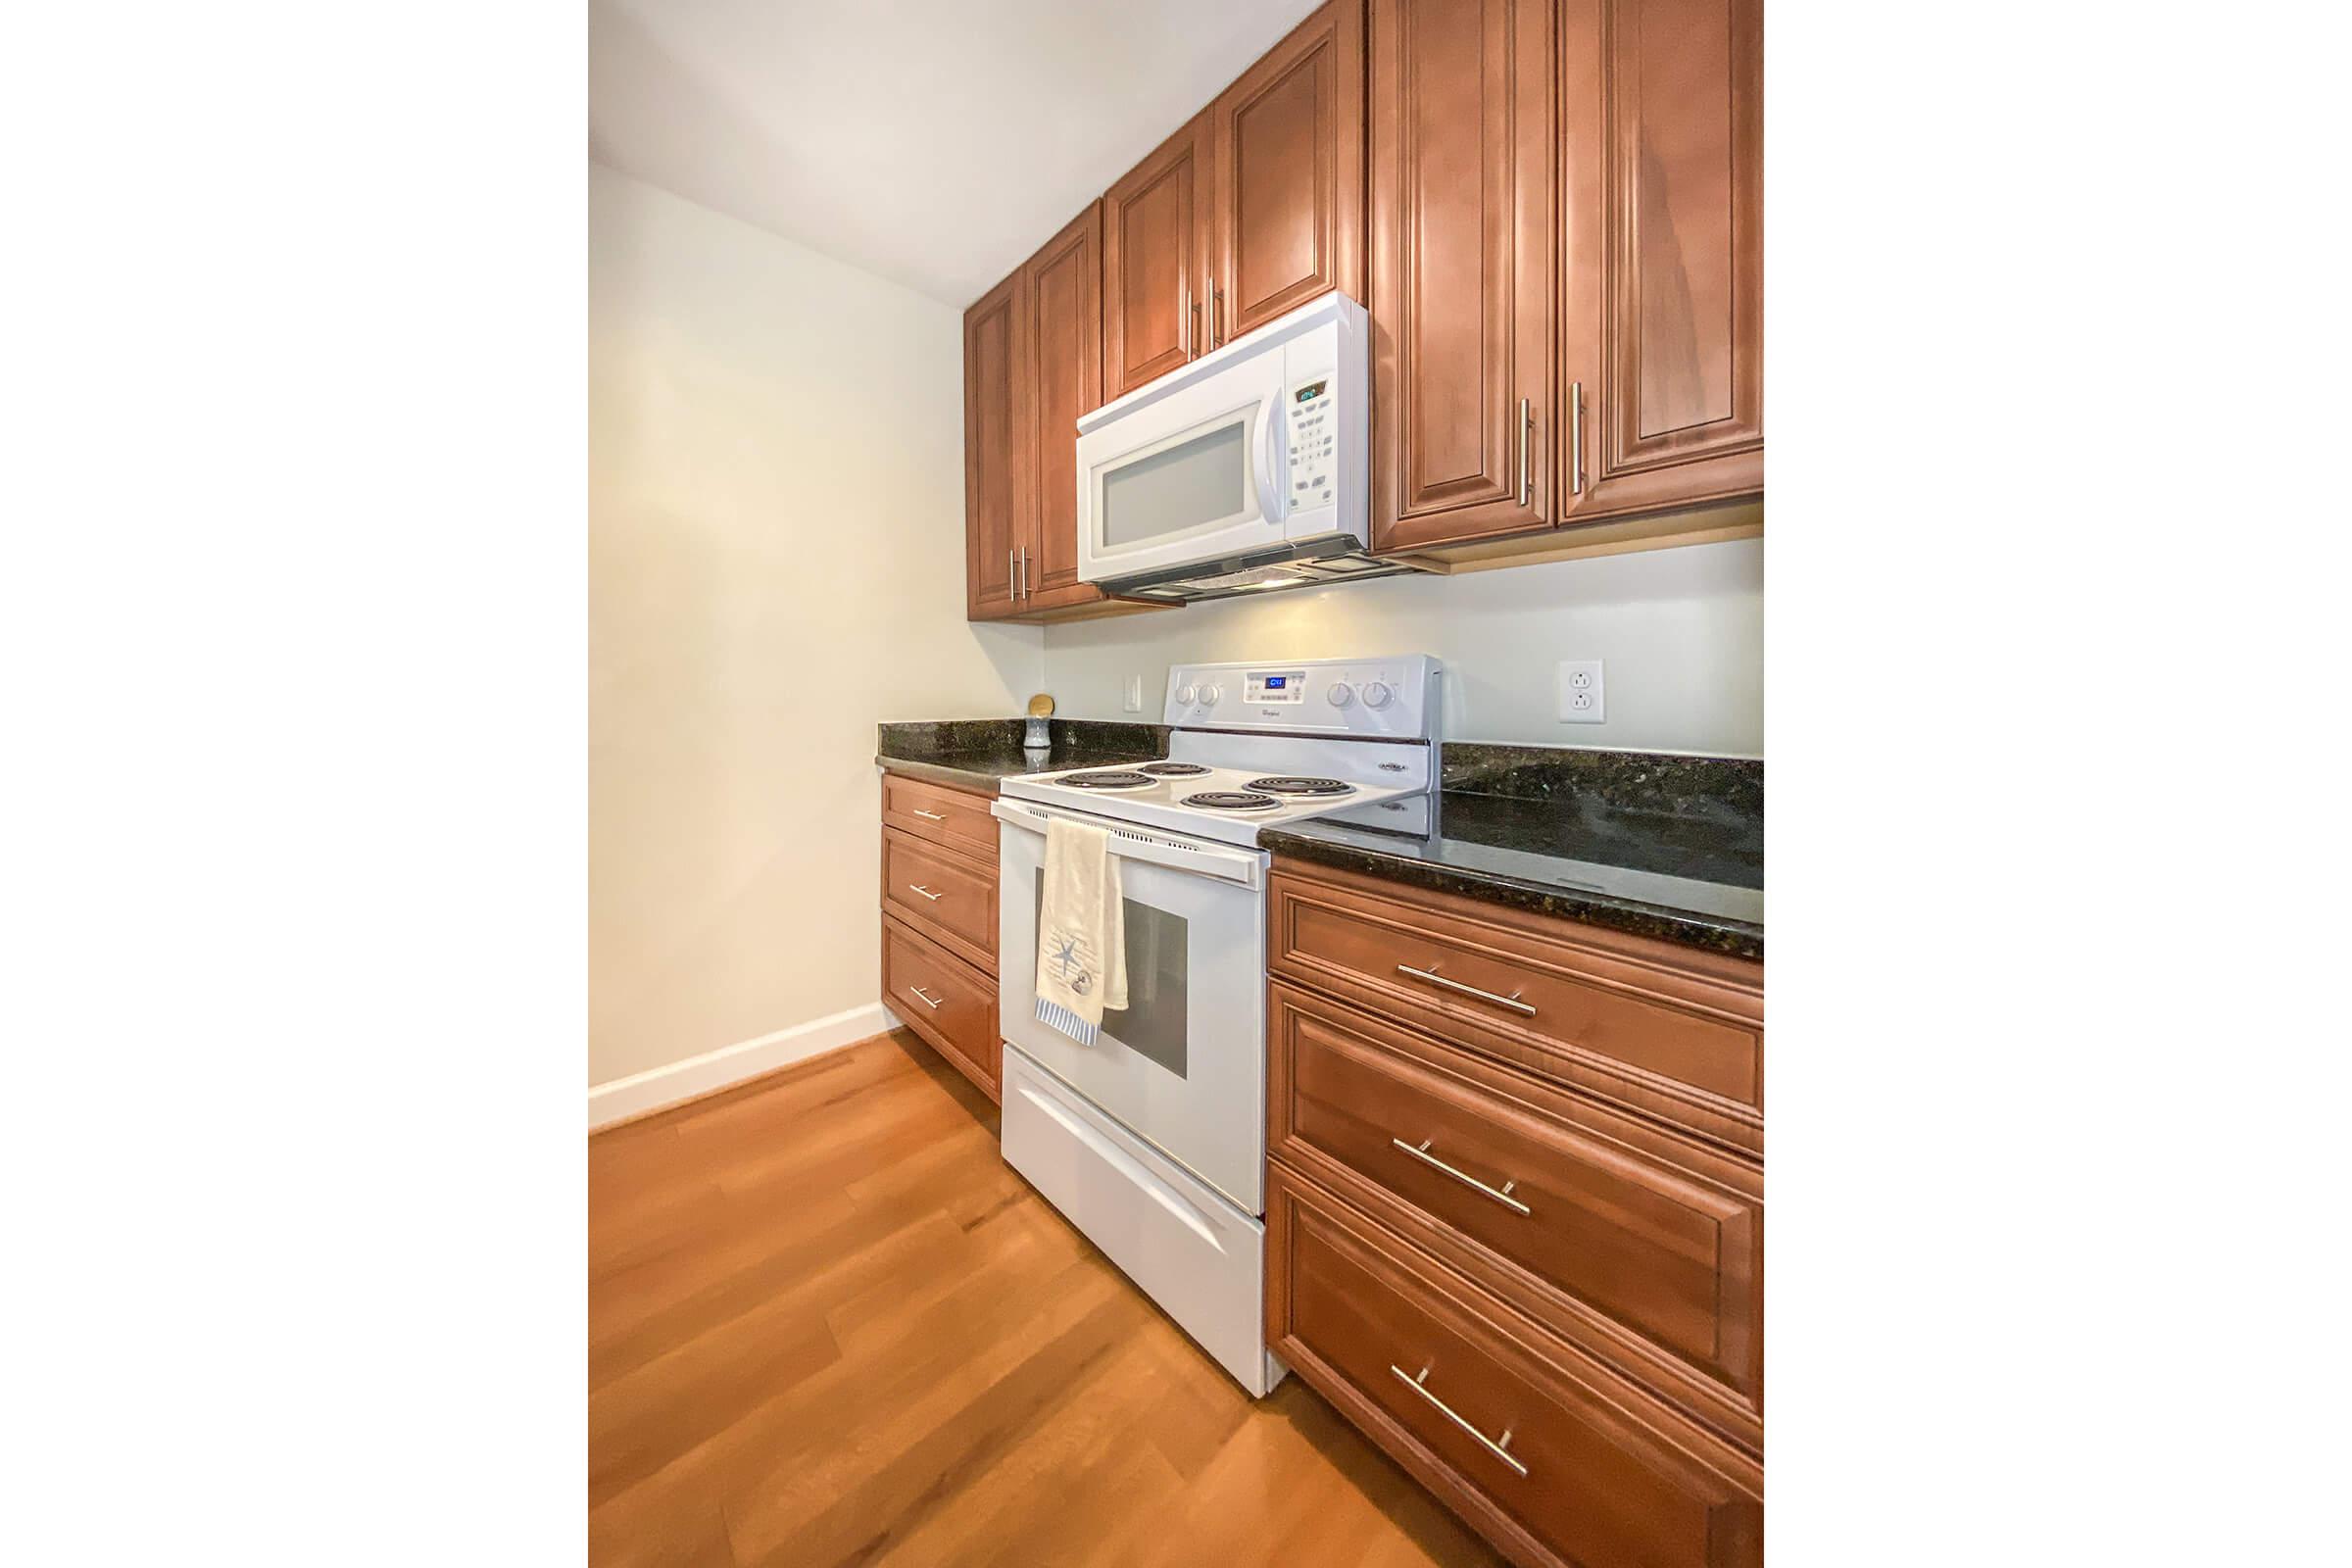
(1152,1138)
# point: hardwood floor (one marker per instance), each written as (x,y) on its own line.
(827,1324)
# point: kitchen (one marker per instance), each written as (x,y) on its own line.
(1412,738)
(1129,741)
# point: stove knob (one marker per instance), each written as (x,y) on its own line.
(1184,696)
(1377,694)
(1210,694)
(1340,694)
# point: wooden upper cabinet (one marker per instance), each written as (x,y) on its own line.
(999,416)
(1155,261)
(1662,176)
(1065,287)
(1289,147)
(1032,365)
(1463,173)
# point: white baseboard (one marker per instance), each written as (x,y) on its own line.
(642,1092)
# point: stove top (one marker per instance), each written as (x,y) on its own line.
(1258,743)
(1225,788)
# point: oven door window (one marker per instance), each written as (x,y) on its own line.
(1153,1024)
(1200,481)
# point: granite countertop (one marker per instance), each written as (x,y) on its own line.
(975,754)
(1657,846)
(1642,842)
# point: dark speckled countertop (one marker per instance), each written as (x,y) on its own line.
(1656,845)
(974,754)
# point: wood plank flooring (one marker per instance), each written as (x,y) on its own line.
(828,1325)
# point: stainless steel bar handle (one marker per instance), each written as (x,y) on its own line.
(1501,1195)
(931,817)
(1012,575)
(1024,571)
(1216,314)
(1501,1451)
(1576,438)
(925,998)
(1431,975)
(1525,418)
(926,892)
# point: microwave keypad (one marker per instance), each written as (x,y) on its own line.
(1314,444)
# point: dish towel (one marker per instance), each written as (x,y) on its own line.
(1081,932)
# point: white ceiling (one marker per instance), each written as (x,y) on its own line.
(937,142)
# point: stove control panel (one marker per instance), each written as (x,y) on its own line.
(1395,697)
(1260,687)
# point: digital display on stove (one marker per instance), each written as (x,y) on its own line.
(1274,686)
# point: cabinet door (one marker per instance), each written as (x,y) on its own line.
(998,448)
(1155,262)
(1462,272)
(1662,160)
(1289,175)
(1065,290)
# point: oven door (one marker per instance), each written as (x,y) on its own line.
(1183,1065)
(1194,475)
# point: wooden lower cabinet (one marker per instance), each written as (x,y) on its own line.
(956,818)
(1515,1219)
(1668,1032)
(948,1002)
(948,896)
(1553,1457)
(1644,1247)
(939,921)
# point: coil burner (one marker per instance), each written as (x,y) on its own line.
(1231,800)
(1300,788)
(1113,779)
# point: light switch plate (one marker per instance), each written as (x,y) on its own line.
(1583,697)
(1135,693)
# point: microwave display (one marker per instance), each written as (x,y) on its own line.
(1282,686)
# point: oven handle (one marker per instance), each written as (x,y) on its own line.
(1134,844)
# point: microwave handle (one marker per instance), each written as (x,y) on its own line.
(1269,463)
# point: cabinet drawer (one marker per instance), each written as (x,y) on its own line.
(1554,1460)
(1608,1224)
(943,895)
(942,815)
(945,1000)
(1676,1032)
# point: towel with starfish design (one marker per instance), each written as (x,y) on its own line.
(1081,931)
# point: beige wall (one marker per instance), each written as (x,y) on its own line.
(1680,632)
(776,562)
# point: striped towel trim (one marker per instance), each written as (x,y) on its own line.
(1057,1016)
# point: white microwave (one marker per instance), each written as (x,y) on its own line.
(1245,470)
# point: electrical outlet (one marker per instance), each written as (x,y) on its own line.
(1582,699)
(1135,693)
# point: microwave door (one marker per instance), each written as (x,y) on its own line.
(1192,476)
